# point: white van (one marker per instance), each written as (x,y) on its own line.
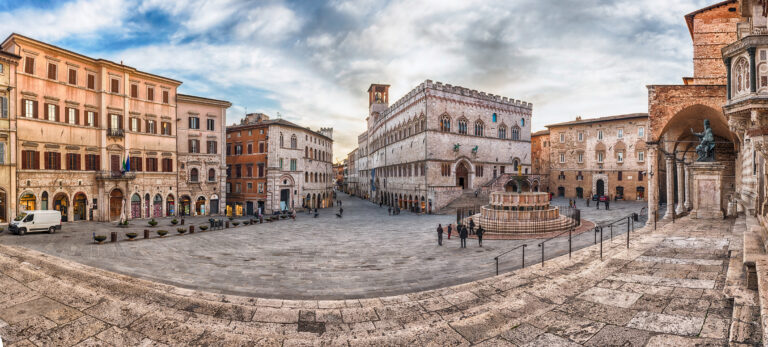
(43,220)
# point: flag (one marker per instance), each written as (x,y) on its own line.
(127,163)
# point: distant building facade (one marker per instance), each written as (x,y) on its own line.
(540,165)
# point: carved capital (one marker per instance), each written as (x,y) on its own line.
(760,146)
(738,124)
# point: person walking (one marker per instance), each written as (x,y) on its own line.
(389,211)
(439,235)
(450,229)
(480,233)
(587,201)
(471,226)
(463,235)
(607,204)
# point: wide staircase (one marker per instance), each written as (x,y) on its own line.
(468,199)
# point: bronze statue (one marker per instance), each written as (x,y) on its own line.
(706,148)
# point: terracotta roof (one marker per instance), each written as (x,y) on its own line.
(541,132)
(689,17)
(278,121)
(9,54)
(600,119)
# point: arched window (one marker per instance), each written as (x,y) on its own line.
(741,75)
(515,164)
(503,132)
(479,127)
(515,133)
(522,122)
(423,123)
(281,139)
(293,141)
(493,118)
(211,175)
(445,124)
(193,175)
(463,126)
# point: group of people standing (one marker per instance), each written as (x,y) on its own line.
(463,232)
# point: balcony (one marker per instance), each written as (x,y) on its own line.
(115,175)
(111,132)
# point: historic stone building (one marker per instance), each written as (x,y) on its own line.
(298,169)
(8,91)
(603,156)
(439,142)
(201,159)
(540,159)
(350,180)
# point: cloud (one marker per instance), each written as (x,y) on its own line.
(81,18)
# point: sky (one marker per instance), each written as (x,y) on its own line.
(312,61)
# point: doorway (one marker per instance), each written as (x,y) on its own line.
(561,191)
(249,208)
(115,165)
(462,175)
(285,196)
(580,192)
(115,204)
(135,206)
(79,207)
(200,206)
(60,203)
(170,205)
(600,187)
(186,203)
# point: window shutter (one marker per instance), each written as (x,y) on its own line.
(79,164)
(23,159)
(189,144)
(96,119)
(154,129)
(97,164)
(36,160)
(5,107)
(58,114)
(215,149)
(77,118)
(120,121)
(91,82)
(34,109)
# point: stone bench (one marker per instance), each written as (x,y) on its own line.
(753,251)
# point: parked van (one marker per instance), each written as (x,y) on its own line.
(43,220)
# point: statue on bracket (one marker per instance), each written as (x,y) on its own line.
(706,147)
(456,147)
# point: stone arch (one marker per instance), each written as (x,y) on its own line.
(27,201)
(80,206)
(463,170)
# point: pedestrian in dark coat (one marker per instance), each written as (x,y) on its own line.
(471,226)
(450,229)
(463,235)
(439,235)
(480,233)
(607,204)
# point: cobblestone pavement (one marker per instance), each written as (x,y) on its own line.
(666,289)
(367,253)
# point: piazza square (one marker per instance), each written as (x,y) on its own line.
(340,173)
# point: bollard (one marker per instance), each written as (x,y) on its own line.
(191,229)
(596,234)
(601,243)
(497,265)
(525,245)
(633,225)
(226,224)
(542,253)
(146,233)
(569,242)
(182,221)
(113,236)
(611,232)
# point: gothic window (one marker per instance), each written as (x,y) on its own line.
(479,128)
(503,132)
(515,133)
(742,75)
(293,141)
(445,124)
(281,139)
(463,126)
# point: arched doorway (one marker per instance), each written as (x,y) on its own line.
(146,206)
(27,202)
(640,193)
(535,186)
(170,205)
(44,201)
(307,201)
(115,204)
(214,204)
(79,207)
(600,188)
(61,203)
(462,175)
(200,206)
(580,192)
(561,191)
(157,206)
(510,186)
(3,206)
(135,206)
(185,205)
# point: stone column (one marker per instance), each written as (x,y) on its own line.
(652,169)
(680,187)
(670,187)
(687,203)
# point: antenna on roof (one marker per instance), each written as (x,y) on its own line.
(279,116)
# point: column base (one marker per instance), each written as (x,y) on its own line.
(707,190)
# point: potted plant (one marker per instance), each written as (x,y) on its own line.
(181,230)
(245,222)
(231,218)
(152,222)
(99,238)
(282,216)
(162,233)
(123,224)
(174,221)
(131,236)
(235,223)
(203,227)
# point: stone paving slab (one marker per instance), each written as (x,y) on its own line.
(567,302)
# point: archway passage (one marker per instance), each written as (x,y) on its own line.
(600,188)
(135,206)
(462,175)
(79,211)
(580,192)
(115,204)
(285,196)
(27,202)
(170,205)
(61,203)
(561,191)
(200,206)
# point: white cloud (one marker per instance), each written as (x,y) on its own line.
(83,18)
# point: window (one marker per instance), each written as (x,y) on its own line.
(30,160)
(620,133)
(91,121)
(167,165)
(72,116)
(194,146)
(294,141)
(165,128)
(135,124)
(640,176)
(151,129)
(238,149)
(151,93)
(293,164)
(52,161)
(193,175)
(493,118)
(561,176)
(579,176)
(3,107)
(445,124)
(237,187)
(581,136)
(478,171)
(115,121)
(91,81)
(445,169)
(463,126)
(502,132)
(115,86)
(52,73)
(211,124)
(600,156)
(562,137)
(522,122)
(151,164)
(562,157)
(212,147)
(136,164)
(250,186)
(599,134)
(30,109)
(261,188)
(134,90)
(641,131)
(53,111)
(211,175)
(194,123)
(1,68)
(29,65)
(92,162)
(620,156)
(229,187)
(515,133)
(249,170)
(166,97)
(619,175)
(281,163)
(249,148)
(581,157)
(73,76)
(641,156)
(260,169)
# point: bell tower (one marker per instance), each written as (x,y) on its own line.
(378,98)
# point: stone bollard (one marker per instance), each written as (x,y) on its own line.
(146,233)
(191,229)
(226,224)
(182,221)
(113,236)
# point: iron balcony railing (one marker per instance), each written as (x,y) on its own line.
(115,132)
